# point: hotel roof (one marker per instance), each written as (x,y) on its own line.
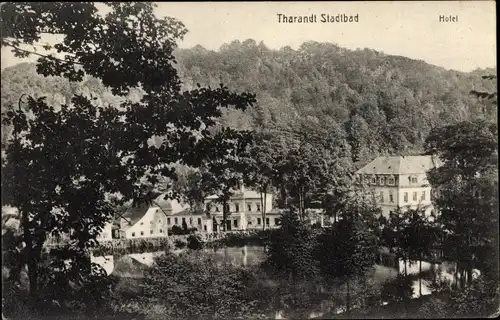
(400,165)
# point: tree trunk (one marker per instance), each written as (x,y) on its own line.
(263,213)
(33,279)
(365,286)
(284,195)
(300,204)
(264,207)
(348,298)
(224,215)
(31,259)
(303,205)
(406,272)
(420,276)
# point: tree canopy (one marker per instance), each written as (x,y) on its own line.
(62,165)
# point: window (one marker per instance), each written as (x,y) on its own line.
(235,223)
(381,196)
(183,220)
(249,206)
(433,213)
(258,221)
(236,207)
(142,233)
(190,220)
(199,220)
(176,220)
(374,180)
(258,206)
(391,197)
(208,207)
(159,221)
(413,179)
(406,196)
(277,221)
(205,227)
(391,181)
(423,195)
(142,223)
(133,234)
(267,221)
(415,196)
(168,221)
(161,230)
(381,181)
(151,231)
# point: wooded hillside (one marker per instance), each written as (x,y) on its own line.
(381,104)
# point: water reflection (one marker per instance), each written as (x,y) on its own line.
(132,266)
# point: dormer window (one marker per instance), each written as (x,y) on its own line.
(391,181)
(414,180)
(381,181)
(208,207)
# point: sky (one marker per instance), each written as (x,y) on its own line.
(410,29)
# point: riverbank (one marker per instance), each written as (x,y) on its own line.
(206,240)
(395,310)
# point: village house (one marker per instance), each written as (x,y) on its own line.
(245,211)
(147,221)
(244,207)
(192,219)
(399,181)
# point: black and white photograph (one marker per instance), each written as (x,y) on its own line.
(249,160)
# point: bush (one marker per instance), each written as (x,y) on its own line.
(434,308)
(480,299)
(291,249)
(176,230)
(179,243)
(198,285)
(194,242)
(397,290)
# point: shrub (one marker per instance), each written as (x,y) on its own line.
(398,289)
(179,243)
(194,242)
(176,230)
(197,285)
(291,249)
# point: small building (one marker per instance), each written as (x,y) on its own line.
(148,221)
(244,211)
(192,219)
(399,181)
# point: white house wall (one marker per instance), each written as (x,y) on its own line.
(107,232)
(151,225)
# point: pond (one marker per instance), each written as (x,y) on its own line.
(131,267)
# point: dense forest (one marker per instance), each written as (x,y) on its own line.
(381,104)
